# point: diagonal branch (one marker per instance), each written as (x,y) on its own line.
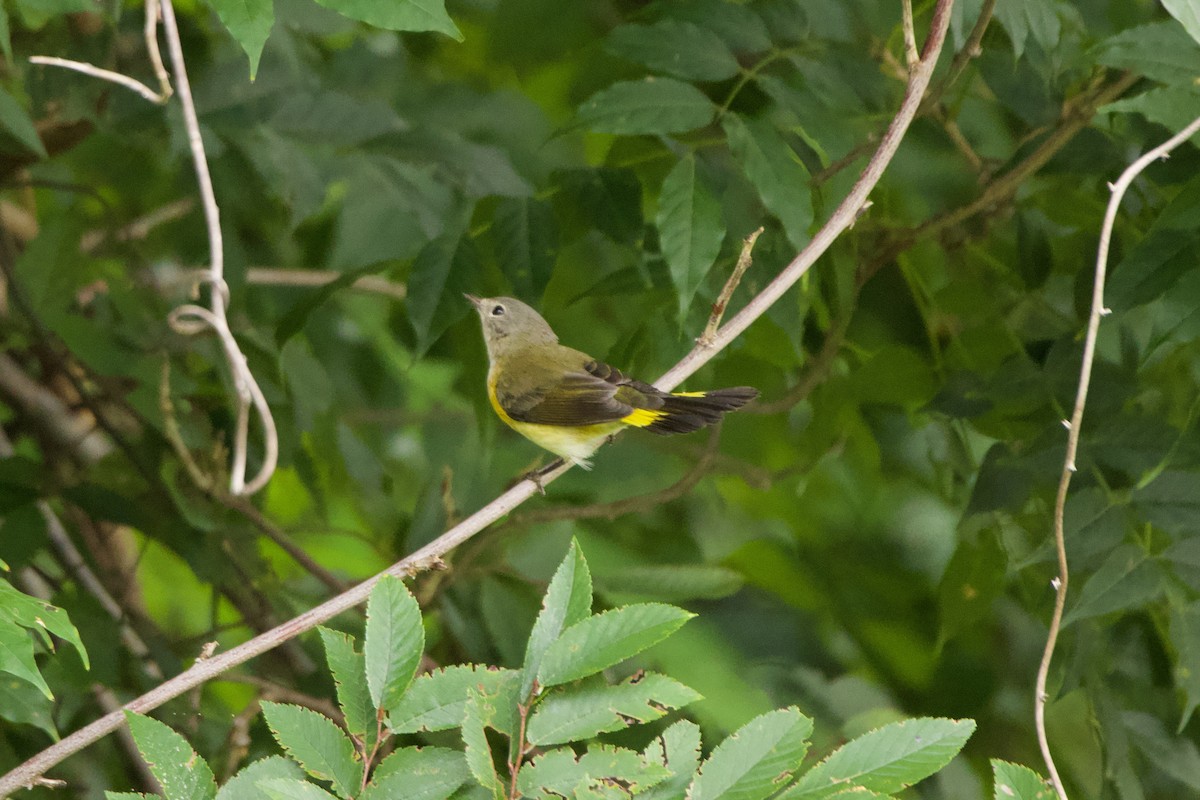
(430,555)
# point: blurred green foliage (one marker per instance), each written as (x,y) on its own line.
(872,542)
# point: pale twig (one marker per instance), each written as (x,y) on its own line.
(150,32)
(911,56)
(139,228)
(269,276)
(718,309)
(429,556)
(1098,311)
(247,388)
(103,74)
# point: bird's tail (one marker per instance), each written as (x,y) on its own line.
(684,412)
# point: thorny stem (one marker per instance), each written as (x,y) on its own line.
(1073,427)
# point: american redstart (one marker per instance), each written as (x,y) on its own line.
(569,403)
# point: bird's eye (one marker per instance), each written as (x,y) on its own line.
(498,311)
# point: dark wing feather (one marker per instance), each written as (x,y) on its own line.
(596,394)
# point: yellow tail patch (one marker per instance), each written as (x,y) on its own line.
(642,417)
(689,394)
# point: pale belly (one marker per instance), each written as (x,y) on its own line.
(575,444)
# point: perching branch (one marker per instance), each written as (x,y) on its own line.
(429,556)
(1073,426)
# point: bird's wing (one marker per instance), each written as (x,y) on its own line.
(594,394)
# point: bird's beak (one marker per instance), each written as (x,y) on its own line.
(475,300)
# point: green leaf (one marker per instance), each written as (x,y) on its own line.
(399,15)
(393,642)
(244,785)
(573,713)
(1184,635)
(478,715)
(40,616)
(1015,782)
(16,657)
(1154,264)
(128,796)
(349,671)
(444,269)
(654,105)
(757,760)
(23,703)
(1024,17)
(672,582)
(391,210)
(568,601)
(183,774)
(690,228)
(1128,578)
(682,49)
(291,789)
(608,199)
(1177,756)
(677,749)
(1173,107)
(606,639)
(317,744)
(15,120)
(1187,13)
(557,773)
(1161,51)
(418,773)
(526,243)
(886,760)
(297,316)
(775,171)
(250,23)
(437,701)
(973,580)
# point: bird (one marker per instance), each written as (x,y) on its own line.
(567,402)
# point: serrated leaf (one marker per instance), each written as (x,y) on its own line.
(418,773)
(601,641)
(478,715)
(349,671)
(1153,265)
(526,243)
(1173,107)
(183,774)
(443,270)
(775,171)
(15,120)
(16,657)
(438,700)
(690,229)
(608,199)
(677,749)
(393,642)
(1015,782)
(320,746)
(582,712)
(757,760)
(1188,15)
(1176,756)
(250,22)
(244,785)
(40,617)
(399,15)
(291,789)
(23,703)
(653,106)
(677,48)
(557,773)
(1161,51)
(1128,578)
(568,601)
(127,796)
(886,760)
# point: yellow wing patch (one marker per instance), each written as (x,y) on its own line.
(642,417)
